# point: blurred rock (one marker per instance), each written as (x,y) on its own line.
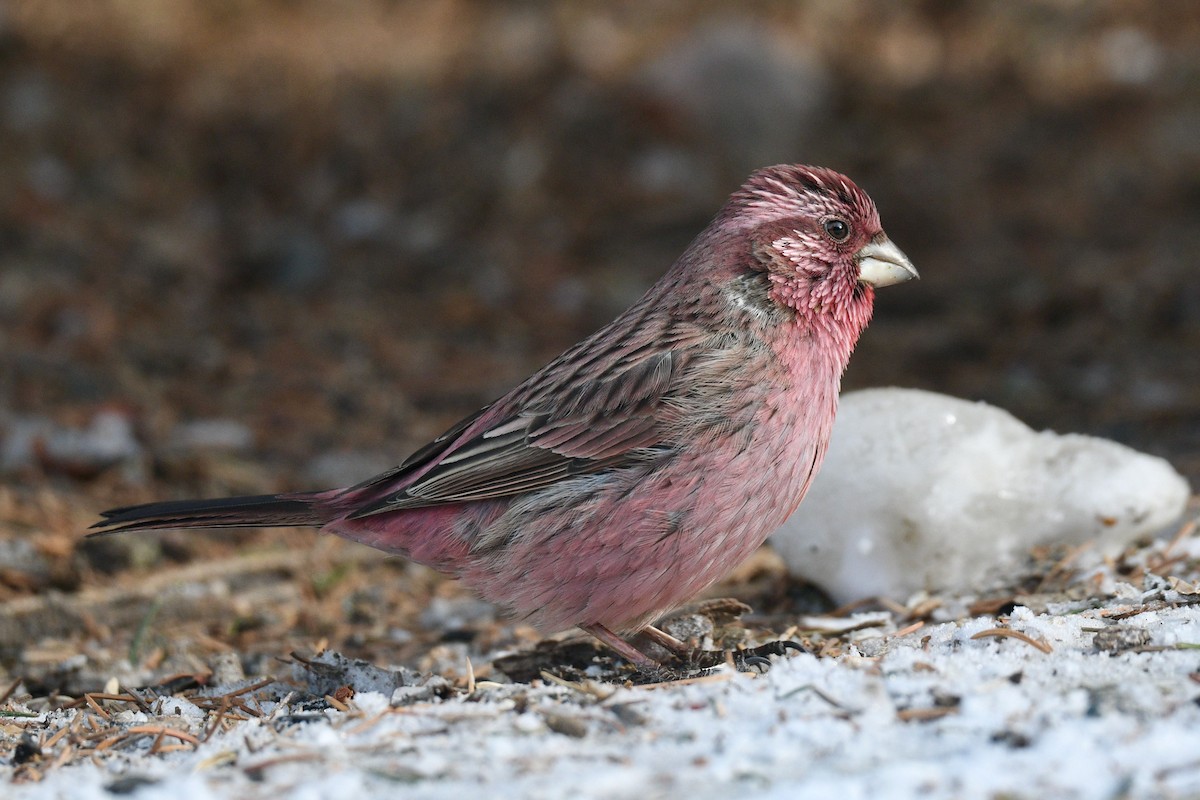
(85,452)
(345,467)
(1174,137)
(739,86)
(446,614)
(80,452)
(210,435)
(288,256)
(111,554)
(597,42)
(569,296)
(430,688)
(515,43)
(50,178)
(422,233)
(327,672)
(363,220)
(18,441)
(29,103)
(1130,55)
(665,172)
(21,565)
(524,166)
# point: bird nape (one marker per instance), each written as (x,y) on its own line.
(644,463)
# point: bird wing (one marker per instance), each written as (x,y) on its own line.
(581,415)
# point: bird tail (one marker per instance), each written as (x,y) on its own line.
(258,511)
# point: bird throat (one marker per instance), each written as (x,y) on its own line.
(830,311)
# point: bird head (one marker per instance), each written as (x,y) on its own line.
(817,238)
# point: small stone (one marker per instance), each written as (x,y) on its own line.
(1119,639)
(346,468)
(85,452)
(704,78)
(452,614)
(210,435)
(363,220)
(565,724)
(226,669)
(327,672)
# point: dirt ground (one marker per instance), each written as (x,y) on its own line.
(257,246)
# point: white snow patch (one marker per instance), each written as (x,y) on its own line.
(936,714)
(925,491)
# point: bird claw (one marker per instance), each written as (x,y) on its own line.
(755,659)
(779,647)
(755,664)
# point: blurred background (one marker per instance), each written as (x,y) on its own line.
(256,245)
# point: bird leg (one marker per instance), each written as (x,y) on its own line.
(624,649)
(681,650)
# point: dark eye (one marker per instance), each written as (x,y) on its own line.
(837,229)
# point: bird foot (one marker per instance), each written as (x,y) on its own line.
(751,659)
(757,659)
(690,660)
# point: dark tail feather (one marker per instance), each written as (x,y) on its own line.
(259,511)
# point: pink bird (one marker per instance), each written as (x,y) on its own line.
(645,462)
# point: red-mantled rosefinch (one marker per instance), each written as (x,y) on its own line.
(645,462)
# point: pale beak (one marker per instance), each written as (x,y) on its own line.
(881,263)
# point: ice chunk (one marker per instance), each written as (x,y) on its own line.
(925,491)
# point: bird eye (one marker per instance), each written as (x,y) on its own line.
(837,229)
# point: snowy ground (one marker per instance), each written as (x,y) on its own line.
(1093,694)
